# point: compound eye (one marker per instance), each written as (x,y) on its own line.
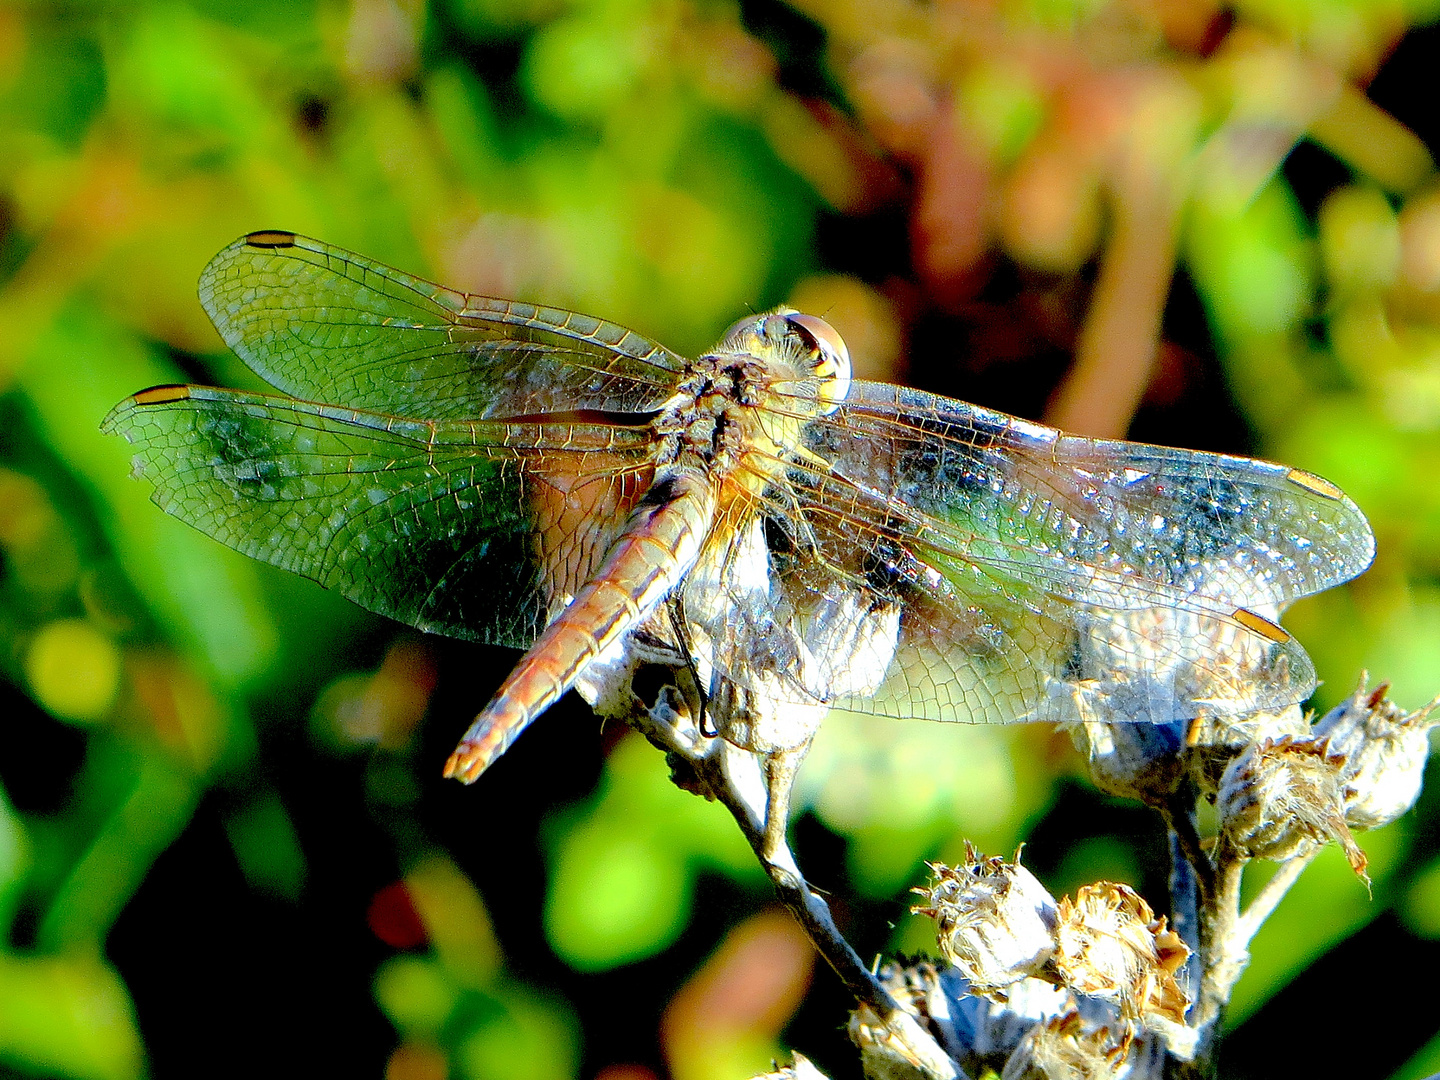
(832,362)
(739,325)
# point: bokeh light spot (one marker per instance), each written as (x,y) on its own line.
(417,1061)
(74,670)
(415,993)
(1359,239)
(267,848)
(529,1040)
(615,898)
(393,919)
(581,68)
(723,1022)
(454,916)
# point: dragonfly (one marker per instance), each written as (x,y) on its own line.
(798,539)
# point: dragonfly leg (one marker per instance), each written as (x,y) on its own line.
(680,627)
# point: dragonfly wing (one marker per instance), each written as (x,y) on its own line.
(323,324)
(1031,570)
(474,530)
(1057,660)
(1100,521)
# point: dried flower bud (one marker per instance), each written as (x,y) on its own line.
(1134,761)
(991,1030)
(1215,741)
(898,1047)
(995,921)
(977,1033)
(920,990)
(1073,1047)
(1112,945)
(887,1051)
(1283,798)
(1063,1047)
(1384,750)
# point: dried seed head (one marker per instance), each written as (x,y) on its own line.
(886,1051)
(1065,1046)
(995,922)
(1072,1046)
(994,1029)
(977,1033)
(897,1047)
(1283,798)
(913,986)
(1215,741)
(920,990)
(1384,750)
(1112,945)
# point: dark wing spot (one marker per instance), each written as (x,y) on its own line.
(161,395)
(270,238)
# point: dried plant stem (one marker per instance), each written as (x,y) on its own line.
(1221,962)
(747,784)
(1270,895)
(1226,932)
(1206,888)
(1185,908)
(1193,907)
(755,788)
(1179,815)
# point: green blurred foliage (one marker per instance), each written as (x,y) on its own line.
(668,164)
(1422,904)
(67,1015)
(624,866)
(1318,913)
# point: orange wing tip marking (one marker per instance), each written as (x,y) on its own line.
(1260,625)
(1318,484)
(159,395)
(270,238)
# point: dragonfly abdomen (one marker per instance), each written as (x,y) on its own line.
(650,558)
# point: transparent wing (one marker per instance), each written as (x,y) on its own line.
(1025,570)
(446,526)
(324,324)
(1118,523)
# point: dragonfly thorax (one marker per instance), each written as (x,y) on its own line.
(754,392)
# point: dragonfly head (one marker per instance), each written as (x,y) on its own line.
(807,341)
